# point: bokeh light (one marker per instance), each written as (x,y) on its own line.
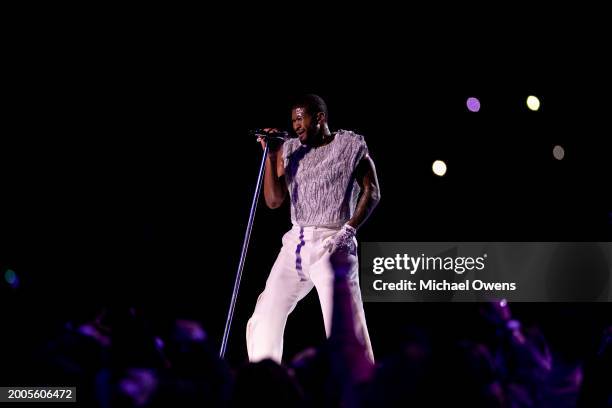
(533,103)
(11,278)
(439,168)
(558,152)
(473,104)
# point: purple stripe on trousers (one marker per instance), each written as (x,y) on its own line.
(298,256)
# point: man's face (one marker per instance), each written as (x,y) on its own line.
(304,124)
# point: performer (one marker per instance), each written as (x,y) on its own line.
(332,185)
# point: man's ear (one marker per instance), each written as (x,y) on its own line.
(320,117)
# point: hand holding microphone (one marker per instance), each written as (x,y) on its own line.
(268,133)
(274,136)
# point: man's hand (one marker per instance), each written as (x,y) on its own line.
(342,241)
(274,145)
(275,188)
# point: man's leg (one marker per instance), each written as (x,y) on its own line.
(322,275)
(285,287)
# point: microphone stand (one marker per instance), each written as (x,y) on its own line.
(245,246)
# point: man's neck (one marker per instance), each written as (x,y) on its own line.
(323,138)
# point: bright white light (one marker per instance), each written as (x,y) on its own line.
(558,152)
(439,168)
(533,103)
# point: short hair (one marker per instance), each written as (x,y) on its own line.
(312,103)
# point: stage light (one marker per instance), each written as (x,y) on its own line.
(439,168)
(473,104)
(11,278)
(503,303)
(533,103)
(558,152)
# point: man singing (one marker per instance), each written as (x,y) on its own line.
(332,184)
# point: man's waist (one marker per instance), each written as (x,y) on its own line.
(331,226)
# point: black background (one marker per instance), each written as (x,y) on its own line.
(127,170)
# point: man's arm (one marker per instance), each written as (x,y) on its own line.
(275,188)
(370,191)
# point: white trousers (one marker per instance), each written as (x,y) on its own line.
(302,264)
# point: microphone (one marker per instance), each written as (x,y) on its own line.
(267,135)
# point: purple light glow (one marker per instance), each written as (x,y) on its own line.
(473,104)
